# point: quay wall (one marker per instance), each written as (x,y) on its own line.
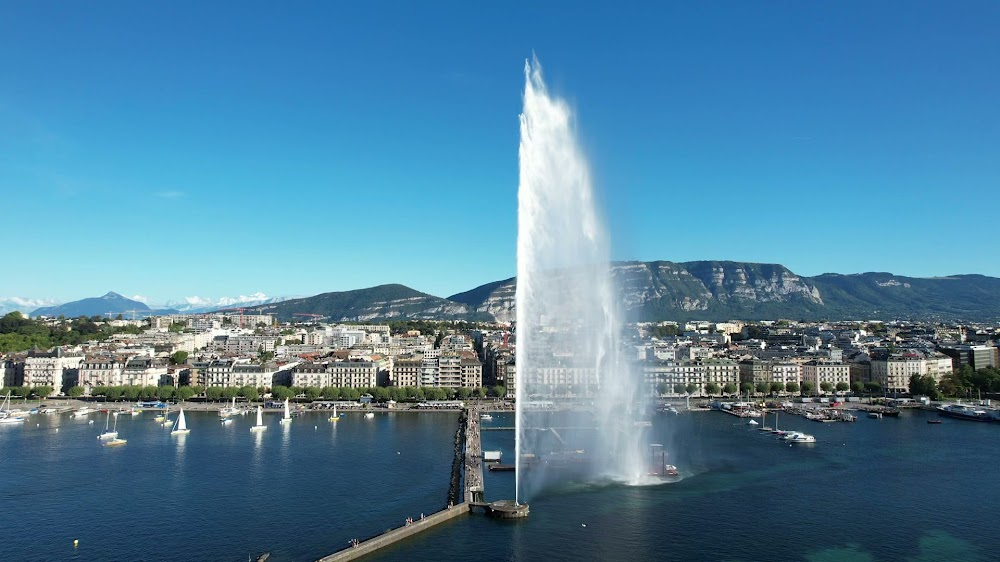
(400,533)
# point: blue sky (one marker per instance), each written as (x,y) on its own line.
(172,149)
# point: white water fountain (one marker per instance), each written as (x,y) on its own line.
(568,321)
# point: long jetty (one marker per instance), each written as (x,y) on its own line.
(468,463)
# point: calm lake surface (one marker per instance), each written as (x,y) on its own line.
(889,489)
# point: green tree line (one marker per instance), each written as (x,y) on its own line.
(18,333)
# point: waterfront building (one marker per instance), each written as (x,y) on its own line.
(406,370)
(976,356)
(819,372)
(54,369)
(311,374)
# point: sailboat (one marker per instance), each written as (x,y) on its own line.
(229,410)
(334,417)
(180,426)
(288,414)
(108,432)
(6,416)
(114,441)
(260,420)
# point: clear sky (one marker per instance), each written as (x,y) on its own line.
(171,149)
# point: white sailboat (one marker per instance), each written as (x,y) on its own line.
(260,420)
(113,441)
(6,416)
(108,432)
(180,426)
(288,414)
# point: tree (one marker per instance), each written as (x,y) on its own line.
(185,392)
(711,388)
(691,388)
(808,388)
(777,387)
(280,392)
(746,387)
(464,393)
(499,391)
(480,393)
(873,387)
(843,386)
(148,392)
(114,393)
(381,394)
(924,385)
(132,392)
(729,388)
(165,392)
(679,388)
(213,393)
(312,392)
(857,387)
(329,393)
(763,387)
(792,387)
(826,386)
(176,327)
(662,388)
(76,391)
(230,392)
(178,357)
(250,393)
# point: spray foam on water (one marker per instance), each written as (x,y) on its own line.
(568,321)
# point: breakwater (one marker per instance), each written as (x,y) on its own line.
(466,468)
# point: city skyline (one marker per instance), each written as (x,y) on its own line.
(168,151)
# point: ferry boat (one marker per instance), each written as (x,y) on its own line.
(964,412)
(799,437)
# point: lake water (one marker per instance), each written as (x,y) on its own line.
(889,489)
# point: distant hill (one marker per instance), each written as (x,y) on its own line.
(721,290)
(649,291)
(384,302)
(111,303)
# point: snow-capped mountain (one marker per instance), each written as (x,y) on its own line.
(197,304)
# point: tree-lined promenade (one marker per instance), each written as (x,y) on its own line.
(252,394)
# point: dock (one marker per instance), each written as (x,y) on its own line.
(469,459)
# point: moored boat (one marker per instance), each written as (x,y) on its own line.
(964,412)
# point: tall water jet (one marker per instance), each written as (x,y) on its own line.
(568,321)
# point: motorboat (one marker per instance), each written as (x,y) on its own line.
(486,417)
(799,437)
(369,415)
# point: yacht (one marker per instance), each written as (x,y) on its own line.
(83,412)
(369,415)
(964,412)
(486,417)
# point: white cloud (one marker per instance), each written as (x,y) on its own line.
(140,298)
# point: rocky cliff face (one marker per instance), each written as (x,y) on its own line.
(662,290)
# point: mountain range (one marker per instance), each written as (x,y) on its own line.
(706,290)
(648,291)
